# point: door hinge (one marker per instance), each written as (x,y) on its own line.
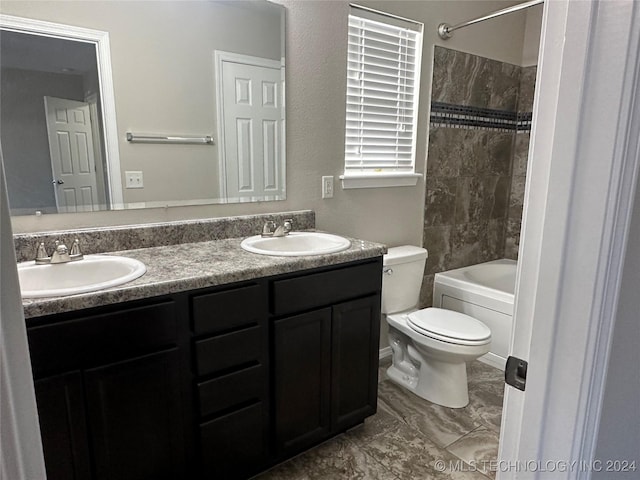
(515,373)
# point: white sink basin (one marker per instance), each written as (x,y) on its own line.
(296,244)
(92,273)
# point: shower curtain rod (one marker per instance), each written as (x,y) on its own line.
(445,30)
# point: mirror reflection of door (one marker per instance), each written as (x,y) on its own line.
(40,60)
(72,155)
(251,130)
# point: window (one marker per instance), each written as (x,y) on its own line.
(383,78)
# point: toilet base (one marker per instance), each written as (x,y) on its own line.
(438,382)
(435,372)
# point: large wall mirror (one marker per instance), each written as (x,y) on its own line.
(108,105)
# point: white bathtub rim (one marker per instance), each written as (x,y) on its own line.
(455,279)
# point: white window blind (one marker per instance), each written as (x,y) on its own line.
(383,74)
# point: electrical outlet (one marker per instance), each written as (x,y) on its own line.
(133,179)
(327,187)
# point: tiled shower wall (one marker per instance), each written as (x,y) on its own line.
(476,161)
(520,158)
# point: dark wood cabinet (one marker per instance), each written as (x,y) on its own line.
(63,426)
(302,375)
(355,331)
(325,361)
(217,383)
(109,390)
(234,444)
(230,342)
(135,419)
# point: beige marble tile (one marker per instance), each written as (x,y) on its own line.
(335,459)
(480,373)
(479,449)
(379,424)
(410,455)
(441,425)
(486,394)
(485,405)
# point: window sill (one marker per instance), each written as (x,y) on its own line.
(380,180)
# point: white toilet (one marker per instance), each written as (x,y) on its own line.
(430,346)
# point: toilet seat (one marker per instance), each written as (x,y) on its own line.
(449,326)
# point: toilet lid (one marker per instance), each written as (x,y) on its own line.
(451,325)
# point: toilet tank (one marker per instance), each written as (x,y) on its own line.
(403,271)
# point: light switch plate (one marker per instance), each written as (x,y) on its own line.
(133,179)
(327,186)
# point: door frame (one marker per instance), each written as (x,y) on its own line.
(103,56)
(582,178)
(219,57)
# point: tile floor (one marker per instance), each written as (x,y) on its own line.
(411,438)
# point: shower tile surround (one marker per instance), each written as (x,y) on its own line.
(477,160)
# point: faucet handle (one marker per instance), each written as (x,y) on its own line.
(41,252)
(287,225)
(75,248)
(268,228)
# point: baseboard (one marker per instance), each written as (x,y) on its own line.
(384,353)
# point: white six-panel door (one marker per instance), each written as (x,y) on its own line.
(252,127)
(72,155)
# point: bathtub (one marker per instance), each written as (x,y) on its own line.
(485,292)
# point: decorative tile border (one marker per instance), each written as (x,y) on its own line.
(459,116)
(524,121)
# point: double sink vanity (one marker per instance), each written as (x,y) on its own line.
(219,361)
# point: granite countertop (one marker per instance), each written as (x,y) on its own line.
(189,266)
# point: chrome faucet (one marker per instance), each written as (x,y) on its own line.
(60,254)
(272,229)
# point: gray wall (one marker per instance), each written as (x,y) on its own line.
(24,137)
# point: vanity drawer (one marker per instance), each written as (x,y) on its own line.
(324,288)
(229,350)
(96,339)
(228,309)
(235,445)
(233,389)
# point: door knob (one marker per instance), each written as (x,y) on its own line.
(58,182)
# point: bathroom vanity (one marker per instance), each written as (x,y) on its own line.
(207,375)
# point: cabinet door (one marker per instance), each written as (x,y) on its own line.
(302,352)
(135,418)
(234,446)
(63,427)
(354,364)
